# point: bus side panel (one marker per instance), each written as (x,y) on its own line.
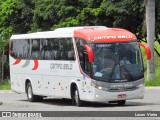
(61,83)
(21,82)
(57,76)
(18,82)
(37,84)
(57,86)
(17,78)
(14,85)
(85,89)
(49,85)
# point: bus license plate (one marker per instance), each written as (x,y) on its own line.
(122,96)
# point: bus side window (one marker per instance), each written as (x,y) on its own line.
(87,64)
(19,44)
(46,49)
(26,49)
(71,55)
(83,57)
(11,45)
(20,49)
(57,49)
(13,50)
(68,49)
(35,53)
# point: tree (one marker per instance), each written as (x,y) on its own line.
(150,20)
(127,14)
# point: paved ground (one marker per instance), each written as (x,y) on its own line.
(18,102)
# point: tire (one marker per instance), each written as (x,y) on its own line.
(121,103)
(76,99)
(31,97)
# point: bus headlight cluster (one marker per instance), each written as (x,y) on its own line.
(99,87)
(140,85)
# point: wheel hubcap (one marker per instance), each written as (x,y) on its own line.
(29,92)
(76,96)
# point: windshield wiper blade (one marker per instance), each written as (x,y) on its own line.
(110,77)
(129,73)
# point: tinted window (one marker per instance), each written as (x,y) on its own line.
(20,49)
(44,49)
(35,52)
(13,49)
(83,57)
(58,49)
(26,49)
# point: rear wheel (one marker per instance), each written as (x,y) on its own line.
(76,99)
(31,97)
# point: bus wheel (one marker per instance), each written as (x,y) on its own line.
(31,97)
(76,99)
(122,102)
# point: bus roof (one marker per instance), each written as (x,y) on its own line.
(88,33)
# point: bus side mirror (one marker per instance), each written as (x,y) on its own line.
(90,53)
(148,51)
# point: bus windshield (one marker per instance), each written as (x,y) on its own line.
(117,62)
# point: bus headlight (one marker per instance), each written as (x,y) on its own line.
(99,87)
(140,85)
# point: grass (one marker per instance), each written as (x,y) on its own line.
(154,83)
(5,85)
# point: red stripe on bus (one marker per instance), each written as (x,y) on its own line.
(36,64)
(17,61)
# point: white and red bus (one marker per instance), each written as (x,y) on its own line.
(94,63)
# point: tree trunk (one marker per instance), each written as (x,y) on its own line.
(150,20)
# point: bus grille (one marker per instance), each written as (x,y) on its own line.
(122,89)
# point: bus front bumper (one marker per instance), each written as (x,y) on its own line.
(105,96)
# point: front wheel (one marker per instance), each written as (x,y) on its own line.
(76,99)
(31,97)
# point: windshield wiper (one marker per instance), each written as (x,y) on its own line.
(110,77)
(129,73)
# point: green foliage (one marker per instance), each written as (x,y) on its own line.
(7,9)
(154,83)
(68,22)
(127,14)
(6,85)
